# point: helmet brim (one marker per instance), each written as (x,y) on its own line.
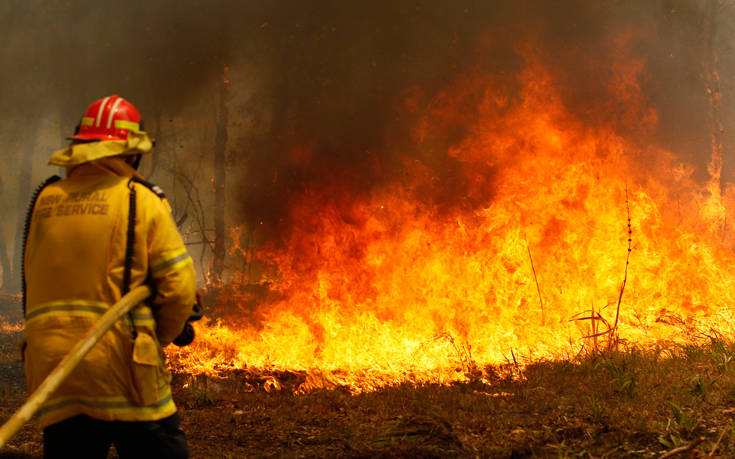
(94,136)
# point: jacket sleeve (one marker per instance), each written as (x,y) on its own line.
(172,272)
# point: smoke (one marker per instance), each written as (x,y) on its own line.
(79,51)
(331,92)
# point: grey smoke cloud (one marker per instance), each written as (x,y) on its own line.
(332,75)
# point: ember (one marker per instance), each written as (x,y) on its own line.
(7,326)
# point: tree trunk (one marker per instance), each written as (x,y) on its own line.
(220,157)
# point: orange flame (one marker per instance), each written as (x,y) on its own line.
(378,289)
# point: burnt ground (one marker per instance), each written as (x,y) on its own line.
(643,403)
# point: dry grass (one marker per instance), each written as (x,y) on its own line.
(641,403)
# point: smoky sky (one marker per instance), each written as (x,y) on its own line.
(333,76)
(61,55)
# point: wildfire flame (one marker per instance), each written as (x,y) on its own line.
(386,287)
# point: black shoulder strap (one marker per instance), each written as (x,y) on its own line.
(27,229)
(130,239)
(151,186)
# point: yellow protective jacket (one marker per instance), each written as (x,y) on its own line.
(74,259)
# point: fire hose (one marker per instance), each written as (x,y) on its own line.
(70,361)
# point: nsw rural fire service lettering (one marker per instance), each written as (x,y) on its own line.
(59,205)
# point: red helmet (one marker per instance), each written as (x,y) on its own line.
(109,118)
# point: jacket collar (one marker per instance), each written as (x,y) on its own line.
(103,166)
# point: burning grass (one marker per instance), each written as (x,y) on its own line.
(223,348)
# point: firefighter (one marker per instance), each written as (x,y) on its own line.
(90,238)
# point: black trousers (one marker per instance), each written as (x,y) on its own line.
(83,437)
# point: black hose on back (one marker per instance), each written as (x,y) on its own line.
(128,266)
(27,229)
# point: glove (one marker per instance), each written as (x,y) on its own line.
(187,334)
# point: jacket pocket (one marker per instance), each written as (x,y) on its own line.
(148,369)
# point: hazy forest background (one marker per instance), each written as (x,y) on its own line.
(231,89)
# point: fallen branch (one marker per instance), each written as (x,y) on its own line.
(683,449)
(717,443)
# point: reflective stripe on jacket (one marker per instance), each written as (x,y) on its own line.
(74,262)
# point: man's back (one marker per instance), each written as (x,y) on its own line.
(74,263)
(79,222)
